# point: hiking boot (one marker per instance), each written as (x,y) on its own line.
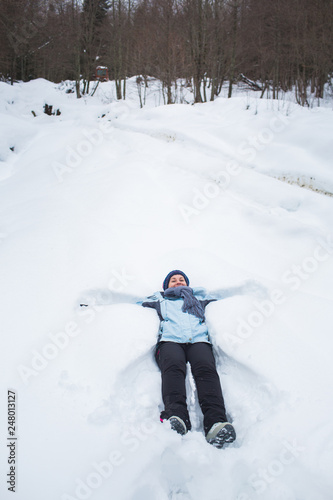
(221,433)
(178,425)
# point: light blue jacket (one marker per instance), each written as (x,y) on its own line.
(176,325)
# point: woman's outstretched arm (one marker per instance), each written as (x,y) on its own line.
(101,297)
(249,287)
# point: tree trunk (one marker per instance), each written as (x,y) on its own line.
(235,8)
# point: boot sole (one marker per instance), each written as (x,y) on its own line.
(225,435)
(177,426)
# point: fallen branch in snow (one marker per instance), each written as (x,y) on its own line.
(250,83)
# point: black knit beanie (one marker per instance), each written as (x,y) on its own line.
(172,273)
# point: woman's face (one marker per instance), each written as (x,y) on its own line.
(176,280)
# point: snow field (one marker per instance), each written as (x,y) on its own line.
(110,196)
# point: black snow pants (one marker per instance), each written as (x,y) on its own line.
(171,358)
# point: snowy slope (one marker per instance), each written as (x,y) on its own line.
(109,196)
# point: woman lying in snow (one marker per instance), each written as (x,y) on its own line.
(183,337)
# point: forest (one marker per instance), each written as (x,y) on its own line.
(273,45)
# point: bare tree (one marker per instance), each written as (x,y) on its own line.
(282,44)
(92,19)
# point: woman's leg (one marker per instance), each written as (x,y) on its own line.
(171,360)
(200,355)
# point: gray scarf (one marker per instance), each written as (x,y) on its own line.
(191,304)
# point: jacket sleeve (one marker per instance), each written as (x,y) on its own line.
(249,287)
(108,297)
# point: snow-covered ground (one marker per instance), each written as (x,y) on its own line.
(108,196)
